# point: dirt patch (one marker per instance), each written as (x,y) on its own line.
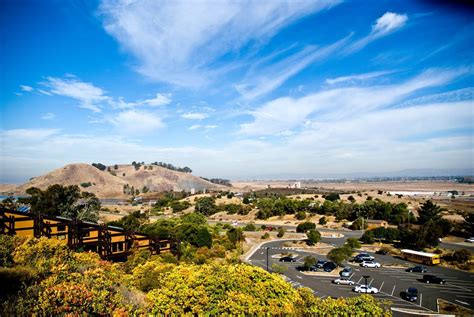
(446,307)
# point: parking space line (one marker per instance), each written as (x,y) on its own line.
(380,289)
(393,290)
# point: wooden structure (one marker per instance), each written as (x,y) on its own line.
(109,242)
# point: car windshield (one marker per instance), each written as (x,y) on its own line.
(412,290)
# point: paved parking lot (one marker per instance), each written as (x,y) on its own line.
(390,281)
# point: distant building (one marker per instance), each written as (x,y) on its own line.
(372,224)
(193,191)
(296,185)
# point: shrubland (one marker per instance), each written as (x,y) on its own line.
(51,279)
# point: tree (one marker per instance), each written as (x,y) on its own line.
(235,235)
(281,232)
(300,215)
(246,200)
(332,197)
(132,221)
(195,218)
(351,199)
(461,256)
(353,243)
(206,206)
(313,237)
(322,221)
(308,262)
(337,255)
(66,201)
(116,167)
(99,166)
(429,211)
(305,226)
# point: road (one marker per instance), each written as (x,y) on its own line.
(389,280)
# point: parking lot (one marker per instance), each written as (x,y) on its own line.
(389,279)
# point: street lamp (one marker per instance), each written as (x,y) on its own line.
(366,286)
(267,257)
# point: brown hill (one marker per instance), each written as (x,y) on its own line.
(110,184)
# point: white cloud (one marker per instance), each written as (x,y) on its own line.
(178,41)
(194,115)
(286,113)
(195,126)
(275,75)
(158,100)
(385,25)
(137,122)
(48,116)
(357,77)
(389,22)
(26,88)
(44,92)
(205,127)
(89,96)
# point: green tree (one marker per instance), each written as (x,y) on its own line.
(429,211)
(353,243)
(313,237)
(305,226)
(322,221)
(235,235)
(338,256)
(461,256)
(300,215)
(308,262)
(332,197)
(281,232)
(206,206)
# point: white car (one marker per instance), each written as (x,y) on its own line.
(370,264)
(365,289)
(470,240)
(343,281)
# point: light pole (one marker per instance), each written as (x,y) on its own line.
(366,286)
(267,257)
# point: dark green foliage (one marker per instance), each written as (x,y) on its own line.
(332,197)
(313,237)
(305,226)
(7,246)
(338,255)
(249,227)
(381,234)
(99,166)
(230,195)
(178,206)
(322,221)
(206,206)
(353,243)
(281,232)
(266,235)
(351,199)
(66,201)
(232,208)
(195,218)
(132,221)
(300,215)
(116,166)
(86,184)
(309,261)
(429,212)
(235,235)
(173,168)
(461,256)
(246,200)
(357,224)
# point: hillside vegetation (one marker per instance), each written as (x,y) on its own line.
(116,181)
(43,277)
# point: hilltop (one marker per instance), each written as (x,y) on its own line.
(116,181)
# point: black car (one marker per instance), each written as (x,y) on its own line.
(361,257)
(382,252)
(329,266)
(287,259)
(411,294)
(433,279)
(417,269)
(321,263)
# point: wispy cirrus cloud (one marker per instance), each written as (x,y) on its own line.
(136,122)
(194,115)
(356,78)
(180,42)
(286,113)
(48,116)
(385,25)
(26,88)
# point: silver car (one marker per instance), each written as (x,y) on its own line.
(346,272)
(343,281)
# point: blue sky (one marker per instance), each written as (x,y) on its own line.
(237,89)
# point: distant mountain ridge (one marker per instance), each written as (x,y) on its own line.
(117,180)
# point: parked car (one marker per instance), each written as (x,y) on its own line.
(411,294)
(321,263)
(343,281)
(417,269)
(365,289)
(370,264)
(470,240)
(329,266)
(361,257)
(313,268)
(346,272)
(433,279)
(287,259)
(382,252)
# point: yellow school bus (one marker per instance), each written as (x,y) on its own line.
(420,257)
